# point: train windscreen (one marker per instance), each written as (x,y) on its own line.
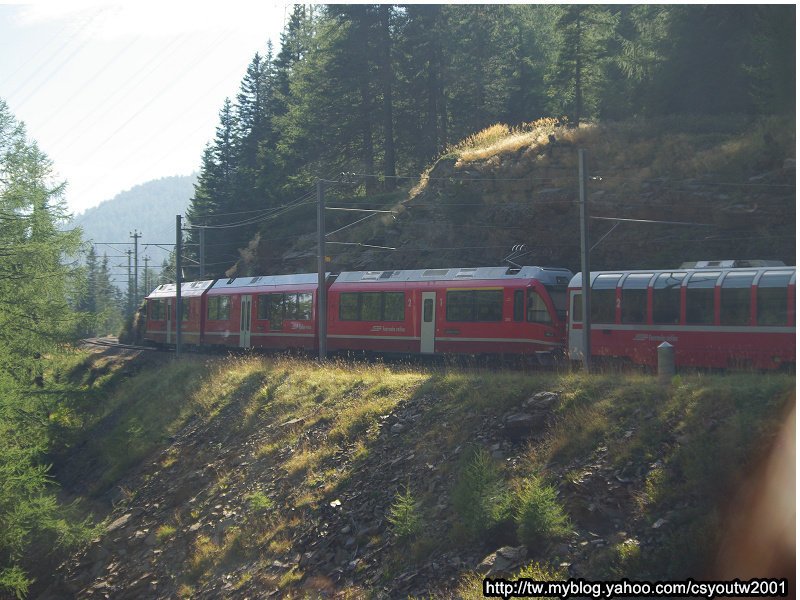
(558,292)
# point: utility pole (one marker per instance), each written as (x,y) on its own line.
(585,272)
(130,283)
(322,292)
(202,252)
(135,235)
(178,300)
(146,283)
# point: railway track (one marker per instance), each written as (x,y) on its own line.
(110,343)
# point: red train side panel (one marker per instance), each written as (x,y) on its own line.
(271,312)
(162,309)
(487,310)
(715,318)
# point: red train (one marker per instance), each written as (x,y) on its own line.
(494,310)
(714,314)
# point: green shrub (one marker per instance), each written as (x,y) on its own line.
(538,515)
(260,502)
(404,515)
(481,498)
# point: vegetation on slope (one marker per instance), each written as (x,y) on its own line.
(281,474)
(730,180)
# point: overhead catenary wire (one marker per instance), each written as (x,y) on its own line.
(689,224)
(176,80)
(49,63)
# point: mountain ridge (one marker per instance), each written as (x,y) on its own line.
(148,208)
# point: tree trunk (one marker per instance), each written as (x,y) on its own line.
(578,68)
(387,74)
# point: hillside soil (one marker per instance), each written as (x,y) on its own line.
(252,477)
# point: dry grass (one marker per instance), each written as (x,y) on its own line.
(321,424)
(502,139)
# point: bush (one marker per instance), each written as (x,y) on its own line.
(481,498)
(538,515)
(260,502)
(404,515)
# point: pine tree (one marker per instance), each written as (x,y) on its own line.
(36,316)
(705,52)
(531,33)
(294,46)
(386,81)
(771,67)
(577,75)
(255,109)
(215,194)
(422,104)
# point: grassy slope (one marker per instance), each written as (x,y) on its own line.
(310,435)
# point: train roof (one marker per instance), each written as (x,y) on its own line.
(730,264)
(577,280)
(188,289)
(549,275)
(265,281)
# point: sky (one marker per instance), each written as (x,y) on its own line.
(118,94)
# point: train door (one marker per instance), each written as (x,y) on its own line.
(169,320)
(245,321)
(575,325)
(428,323)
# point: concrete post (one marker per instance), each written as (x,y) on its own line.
(666,363)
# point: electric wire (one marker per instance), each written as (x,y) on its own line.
(48,62)
(174,82)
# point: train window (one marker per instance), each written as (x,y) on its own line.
(157,312)
(772,299)
(304,305)
(348,306)
(275,311)
(394,306)
(604,298)
(634,297)
(427,310)
(219,308)
(187,309)
(297,307)
(519,305)
(475,305)
(460,306)
(290,307)
(700,298)
(370,306)
(262,304)
(558,294)
(537,309)
(577,308)
(289,302)
(489,305)
(734,301)
(667,298)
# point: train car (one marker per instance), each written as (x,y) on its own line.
(715,314)
(161,313)
(272,312)
(485,310)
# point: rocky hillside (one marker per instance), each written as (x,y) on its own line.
(247,477)
(729,182)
